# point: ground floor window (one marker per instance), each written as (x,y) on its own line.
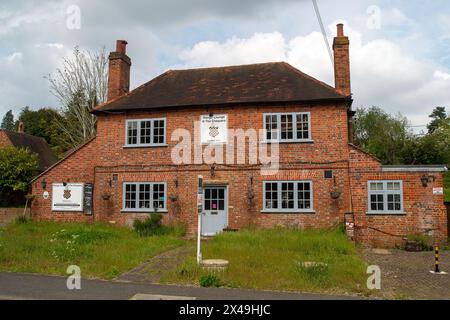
(144,197)
(288,196)
(385,197)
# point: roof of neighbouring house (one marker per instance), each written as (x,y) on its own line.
(35,144)
(276,82)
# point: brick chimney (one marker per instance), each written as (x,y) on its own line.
(119,71)
(21,128)
(342,62)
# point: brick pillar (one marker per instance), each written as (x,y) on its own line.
(119,71)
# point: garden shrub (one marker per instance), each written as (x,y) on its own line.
(210,281)
(424,241)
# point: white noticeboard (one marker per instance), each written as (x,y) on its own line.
(214,130)
(69,198)
(438,191)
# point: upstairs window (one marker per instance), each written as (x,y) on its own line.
(385,197)
(145,133)
(288,127)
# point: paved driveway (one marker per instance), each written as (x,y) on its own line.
(407,274)
(24,286)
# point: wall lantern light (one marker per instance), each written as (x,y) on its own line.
(213,171)
(427,179)
(424,180)
(44,184)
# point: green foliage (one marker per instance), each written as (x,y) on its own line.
(8,121)
(44,123)
(150,226)
(381,134)
(389,138)
(17,168)
(447,186)
(210,281)
(22,220)
(317,273)
(269,259)
(426,242)
(100,250)
(439,117)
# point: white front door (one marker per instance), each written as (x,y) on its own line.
(215,215)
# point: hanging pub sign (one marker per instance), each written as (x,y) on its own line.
(214,129)
(88,196)
(68,197)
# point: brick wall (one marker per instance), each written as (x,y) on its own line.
(424,212)
(8,215)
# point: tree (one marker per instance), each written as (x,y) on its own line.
(439,117)
(381,134)
(17,168)
(8,121)
(44,123)
(80,85)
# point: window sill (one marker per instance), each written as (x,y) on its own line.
(149,146)
(290,142)
(143,212)
(375,214)
(288,212)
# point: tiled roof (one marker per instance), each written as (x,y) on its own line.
(256,83)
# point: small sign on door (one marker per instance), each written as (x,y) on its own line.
(438,191)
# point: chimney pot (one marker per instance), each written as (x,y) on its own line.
(21,128)
(121,46)
(340,30)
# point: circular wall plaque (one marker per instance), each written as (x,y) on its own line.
(46,195)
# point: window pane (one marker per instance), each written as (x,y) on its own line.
(132,132)
(304,195)
(159,197)
(377,202)
(146,131)
(287,127)
(159,132)
(287,196)
(302,127)
(144,196)
(272,127)
(130,196)
(271,195)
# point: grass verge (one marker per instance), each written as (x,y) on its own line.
(101,251)
(272,259)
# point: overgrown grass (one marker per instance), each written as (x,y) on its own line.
(447,185)
(101,251)
(272,259)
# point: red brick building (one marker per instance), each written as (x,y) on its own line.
(322,180)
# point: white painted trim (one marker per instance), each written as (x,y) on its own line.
(138,137)
(292,211)
(294,126)
(150,210)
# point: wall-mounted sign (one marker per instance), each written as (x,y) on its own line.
(68,198)
(438,191)
(88,198)
(214,130)
(46,195)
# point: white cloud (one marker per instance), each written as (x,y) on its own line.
(14,57)
(441,75)
(383,74)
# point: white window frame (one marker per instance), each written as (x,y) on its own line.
(385,192)
(279,194)
(294,125)
(143,145)
(145,210)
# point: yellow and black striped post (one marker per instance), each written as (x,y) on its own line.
(436,257)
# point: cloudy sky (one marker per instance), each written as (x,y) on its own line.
(400,50)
